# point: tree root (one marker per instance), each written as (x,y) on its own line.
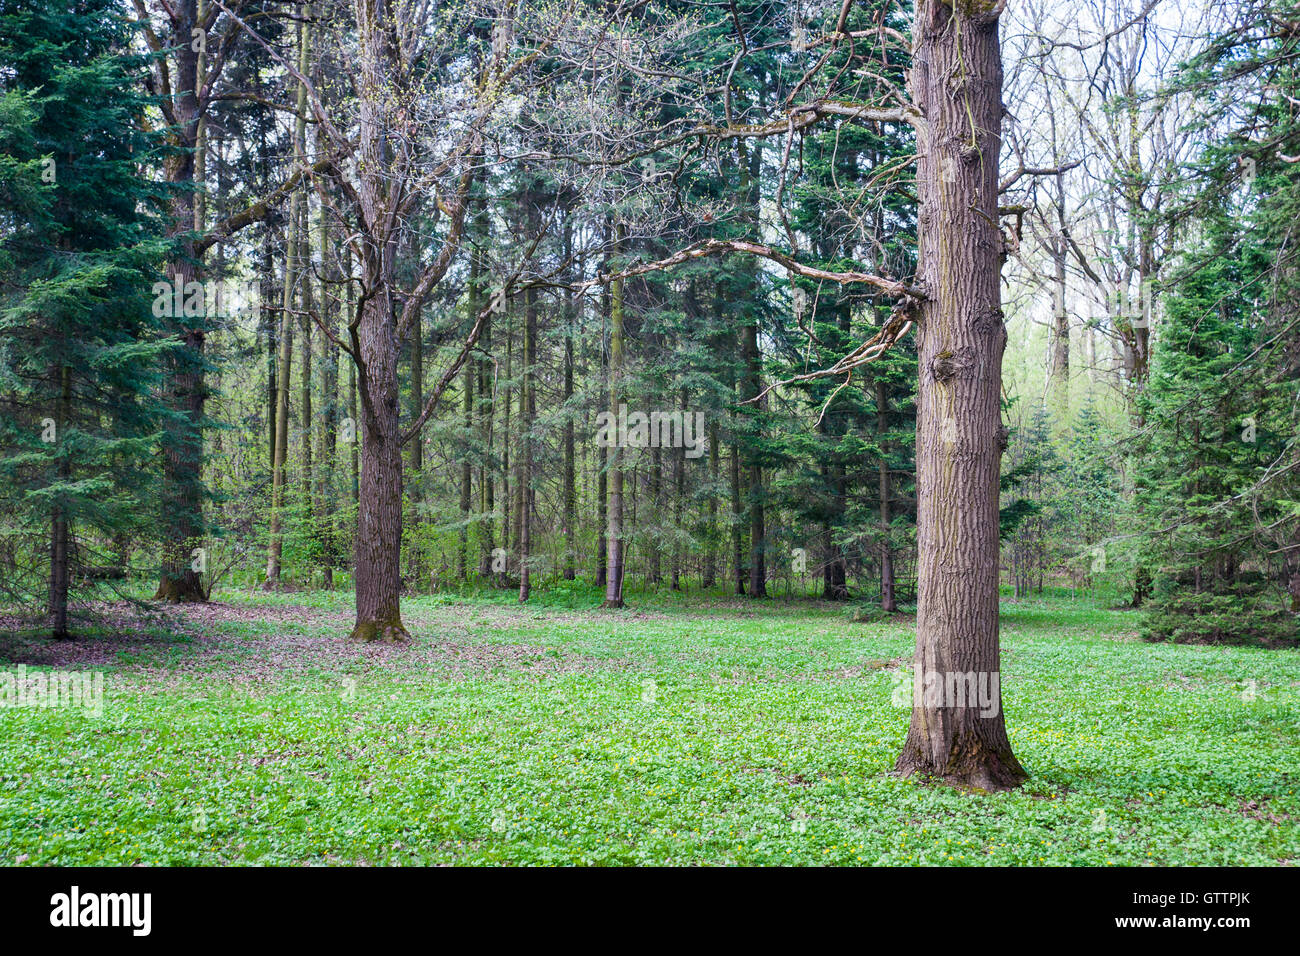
(390,631)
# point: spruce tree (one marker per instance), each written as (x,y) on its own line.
(78,338)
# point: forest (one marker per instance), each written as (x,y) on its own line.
(697,431)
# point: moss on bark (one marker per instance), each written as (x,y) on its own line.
(385,631)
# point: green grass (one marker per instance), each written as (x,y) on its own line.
(533,736)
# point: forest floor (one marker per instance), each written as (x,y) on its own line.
(681,731)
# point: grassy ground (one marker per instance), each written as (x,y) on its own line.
(681,731)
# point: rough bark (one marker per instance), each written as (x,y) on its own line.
(379,521)
(957,84)
(182,506)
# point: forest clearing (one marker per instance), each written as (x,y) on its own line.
(692,730)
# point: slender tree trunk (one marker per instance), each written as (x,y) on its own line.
(284,368)
(834,583)
(956,82)
(614,454)
(655,495)
(710,575)
(471,377)
(415,563)
(295,221)
(679,496)
(888,601)
(305,377)
(737,519)
(1060,371)
(602,520)
(750,166)
(527,417)
(602,478)
(570,476)
(330,396)
(507,501)
(270,322)
(60,559)
(467,464)
(486,413)
(354,447)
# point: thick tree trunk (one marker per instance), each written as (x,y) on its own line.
(182,505)
(379,520)
(385,205)
(376,344)
(957,84)
(182,509)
